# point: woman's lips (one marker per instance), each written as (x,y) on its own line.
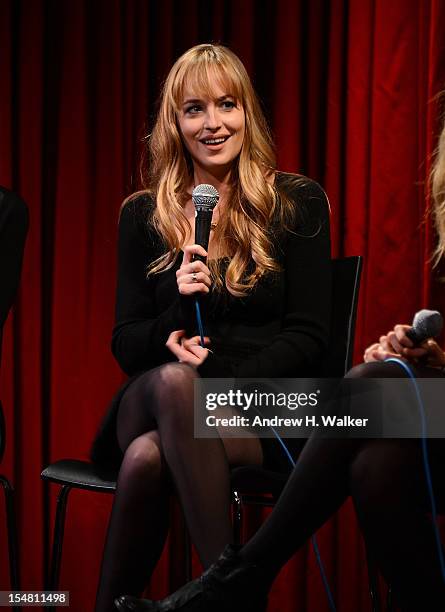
(214,146)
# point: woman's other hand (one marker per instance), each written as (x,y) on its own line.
(187,350)
(394,344)
(193,277)
(397,344)
(434,355)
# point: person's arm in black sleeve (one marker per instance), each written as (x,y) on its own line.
(140,332)
(13,229)
(304,334)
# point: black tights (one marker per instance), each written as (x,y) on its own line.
(386,481)
(155,431)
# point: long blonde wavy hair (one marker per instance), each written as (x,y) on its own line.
(438,195)
(245,227)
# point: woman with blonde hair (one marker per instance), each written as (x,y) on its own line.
(396,343)
(264,291)
(384,477)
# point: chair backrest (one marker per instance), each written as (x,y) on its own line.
(346,275)
(345,289)
(13,230)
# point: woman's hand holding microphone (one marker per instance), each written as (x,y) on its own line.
(193,278)
(397,344)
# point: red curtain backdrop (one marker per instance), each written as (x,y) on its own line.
(350,88)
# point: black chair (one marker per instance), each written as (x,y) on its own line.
(77,474)
(11,525)
(254,486)
(13,230)
(81,474)
(71,474)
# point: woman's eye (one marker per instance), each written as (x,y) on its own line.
(193,109)
(228,104)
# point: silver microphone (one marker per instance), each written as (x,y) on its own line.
(205,198)
(426,324)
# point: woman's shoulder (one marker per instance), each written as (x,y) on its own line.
(299,187)
(138,208)
(309,198)
(138,204)
(136,215)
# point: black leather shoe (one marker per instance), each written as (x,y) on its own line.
(229,585)
(125,603)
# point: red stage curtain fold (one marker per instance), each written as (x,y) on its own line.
(351,89)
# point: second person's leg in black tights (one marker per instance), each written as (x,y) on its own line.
(389,491)
(391,507)
(390,496)
(326,472)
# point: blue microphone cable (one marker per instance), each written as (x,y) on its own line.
(313,537)
(426,463)
(428,478)
(199,321)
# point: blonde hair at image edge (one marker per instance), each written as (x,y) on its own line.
(168,169)
(438,195)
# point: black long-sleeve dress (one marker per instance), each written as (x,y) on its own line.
(280,329)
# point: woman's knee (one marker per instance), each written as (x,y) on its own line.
(243,451)
(169,379)
(159,392)
(176,376)
(143,460)
(162,399)
(175,395)
(375,369)
(161,380)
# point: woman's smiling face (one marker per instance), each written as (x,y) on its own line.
(212,127)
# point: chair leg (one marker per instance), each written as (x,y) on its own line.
(59,528)
(373,583)
(12,534)
(187,554)
(237,517)
(389,600)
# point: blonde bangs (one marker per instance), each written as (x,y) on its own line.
(202,74)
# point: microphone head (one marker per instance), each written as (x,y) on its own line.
(205,197)
(426,324)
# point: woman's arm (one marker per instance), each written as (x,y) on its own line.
(140,332)
(304,334)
